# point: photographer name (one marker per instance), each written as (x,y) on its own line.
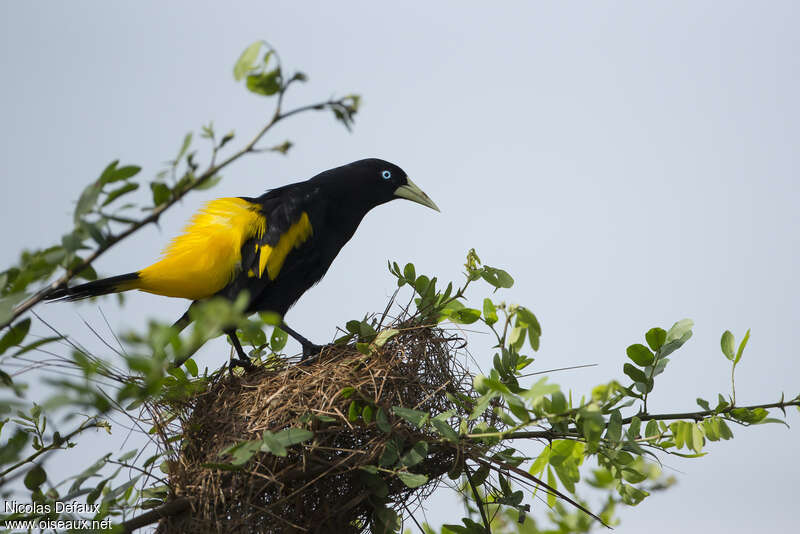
(14,507)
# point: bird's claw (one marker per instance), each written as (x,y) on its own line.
(310,352)
(244,363)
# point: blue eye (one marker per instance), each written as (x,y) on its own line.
(386,175)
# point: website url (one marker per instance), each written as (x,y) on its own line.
(59,524)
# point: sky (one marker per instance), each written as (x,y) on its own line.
(629,163)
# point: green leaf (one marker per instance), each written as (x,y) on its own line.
(412,480)
(651,430)
(446,431)
(91,471)
(679,330)
(631,495)
(191,366)
(266,84)
(640,355)
(35,477)
(242,452)
(6,380)
(614,429)
(415,455)
(728,345)
(390,454)
(7,304)
(558,403)
(481,405)
(128,455)
(635,374)
(742,345)
(497,277)
(541,462)
(409,273)
(464,316)
(108,172)
(386,520)
(415,417)
(529,320)
(111,175)
(87,200)
(724,430)
(634,428)
(697,437)
(539,390)
(551,481)
(354,411)
(384,336)
(749,416)
(293,436)
(383,421)
(208,183)
(187,141)
(278,339)
(367,413)
(245,62)
(161,193)
(95,493)
(95,231)
(15,335)
(421,284)
(655,338)
(489,312)
(116,193)
(270,443)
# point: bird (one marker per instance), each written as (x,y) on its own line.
(275,246)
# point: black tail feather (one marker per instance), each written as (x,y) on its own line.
(105,286)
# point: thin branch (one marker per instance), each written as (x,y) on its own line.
(478,501)
(52,446)
(697,416)
(494,463)
(174,507)
(155,214)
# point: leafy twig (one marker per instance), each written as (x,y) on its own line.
(57,443)
(156,213)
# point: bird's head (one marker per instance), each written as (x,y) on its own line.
(372,182)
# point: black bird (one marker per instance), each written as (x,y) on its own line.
(275,246)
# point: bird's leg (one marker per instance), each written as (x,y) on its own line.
(309,349)
(243,360)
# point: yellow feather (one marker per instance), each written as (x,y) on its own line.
(207,256)
(272,258)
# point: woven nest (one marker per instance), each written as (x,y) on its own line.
(318,485)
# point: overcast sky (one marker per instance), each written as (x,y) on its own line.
(630,163)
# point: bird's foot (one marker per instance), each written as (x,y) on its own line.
(310,352)
(244,363)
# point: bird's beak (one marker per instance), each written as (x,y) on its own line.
(411,192)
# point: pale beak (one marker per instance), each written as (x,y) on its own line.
(411,192)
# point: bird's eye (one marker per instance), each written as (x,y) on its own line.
(386,175)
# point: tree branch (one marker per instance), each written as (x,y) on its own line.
(173,507)
(212,170)
(697,416)
(52,446)
(478,501)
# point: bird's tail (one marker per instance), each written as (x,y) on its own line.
(115,284)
